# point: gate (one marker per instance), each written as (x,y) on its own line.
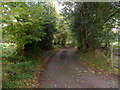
(116,57)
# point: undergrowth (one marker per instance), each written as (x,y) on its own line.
(17,70)
(16,75)
(96,62)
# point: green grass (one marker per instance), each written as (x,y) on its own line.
(15,75)
(17,70)
(96,61)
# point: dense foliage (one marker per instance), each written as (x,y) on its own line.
(27,30)
(33,28)
(28,24)
(92,23)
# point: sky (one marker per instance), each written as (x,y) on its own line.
(58,7)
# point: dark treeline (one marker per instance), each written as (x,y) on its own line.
(92,23)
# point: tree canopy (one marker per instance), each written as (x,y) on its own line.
(29,23)
(86,24)
(92,22)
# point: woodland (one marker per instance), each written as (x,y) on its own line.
(30,30)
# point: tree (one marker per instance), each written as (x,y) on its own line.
(88,20)
(28,24)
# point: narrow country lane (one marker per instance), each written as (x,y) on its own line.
(64,72)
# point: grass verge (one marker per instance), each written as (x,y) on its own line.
(17,70)
(18,75)
(96,63)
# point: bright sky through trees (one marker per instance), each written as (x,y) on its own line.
(58,6)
